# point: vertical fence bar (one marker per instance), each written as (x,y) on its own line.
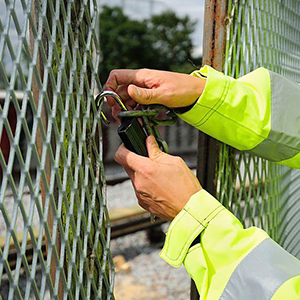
(36,91)
(214,41)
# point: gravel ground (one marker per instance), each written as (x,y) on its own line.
(120,195)
(147,276)
(11,209)
(4,290)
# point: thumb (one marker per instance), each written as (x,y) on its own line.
(152,147)
(129,159)
(141,95)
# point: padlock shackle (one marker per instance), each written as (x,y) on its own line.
(100,97)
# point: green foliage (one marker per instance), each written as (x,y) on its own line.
(161,42)
(170,36)
(124,42)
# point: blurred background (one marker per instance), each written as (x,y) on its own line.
(154,34)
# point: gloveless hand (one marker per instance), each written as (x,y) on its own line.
(146,86)
(163,183)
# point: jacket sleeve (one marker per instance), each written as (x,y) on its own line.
(227,261)
(258,112)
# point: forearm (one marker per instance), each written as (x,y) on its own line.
(218,260)
(258,112)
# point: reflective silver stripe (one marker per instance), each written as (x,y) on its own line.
(283,141)
(261,273)
(289,204)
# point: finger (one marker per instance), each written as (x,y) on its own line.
(131,104)
(130,173)
(129,159)
(123,76)
(143,95)
(115,111)
(152,147)
(122,92)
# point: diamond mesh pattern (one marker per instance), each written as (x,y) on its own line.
(52,183)
(262,33)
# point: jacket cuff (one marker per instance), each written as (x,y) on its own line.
(187,225)
(214,94)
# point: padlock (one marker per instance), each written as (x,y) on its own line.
(131,132)
(133,135)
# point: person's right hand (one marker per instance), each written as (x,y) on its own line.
(163,183)
(147,86)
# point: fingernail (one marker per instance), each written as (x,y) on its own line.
(136,91)
(152,140)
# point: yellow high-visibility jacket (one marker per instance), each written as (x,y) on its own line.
(260,113)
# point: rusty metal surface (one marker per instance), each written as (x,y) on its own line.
(214,41)
(214,38)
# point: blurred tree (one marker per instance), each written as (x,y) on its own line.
(162,42)
(171,40)
(124,42)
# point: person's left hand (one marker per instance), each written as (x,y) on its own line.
(163,183)
(145,86)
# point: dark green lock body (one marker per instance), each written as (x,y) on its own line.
(133,135)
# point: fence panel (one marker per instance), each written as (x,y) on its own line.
(240,36)
(263,33)
(54,226)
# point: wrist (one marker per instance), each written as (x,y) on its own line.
(196,85)
(181,110)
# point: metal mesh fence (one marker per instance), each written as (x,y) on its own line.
(262,33)
(54,226)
